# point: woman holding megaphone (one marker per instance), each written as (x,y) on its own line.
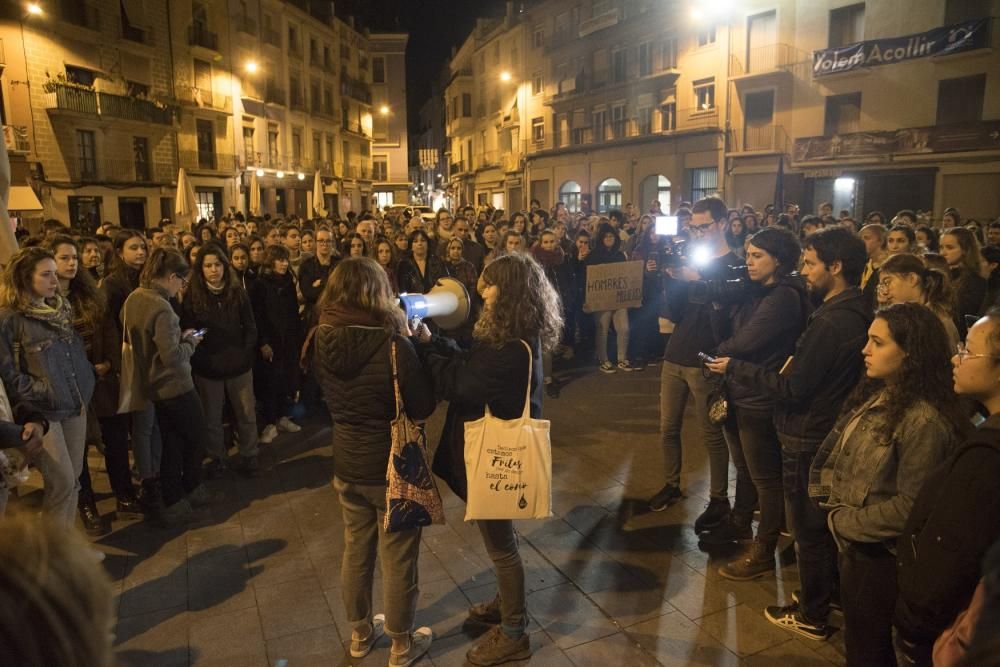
(521,317)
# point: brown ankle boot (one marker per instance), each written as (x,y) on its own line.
(757,561)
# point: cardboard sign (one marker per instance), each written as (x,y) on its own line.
(614,286)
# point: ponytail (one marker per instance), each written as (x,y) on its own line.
(937,290)
(162,263)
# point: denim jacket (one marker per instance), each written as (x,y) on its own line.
(868,484)
(45,371)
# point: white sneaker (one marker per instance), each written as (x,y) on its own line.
(268,435)
(288,426)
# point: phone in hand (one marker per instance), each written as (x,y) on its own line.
(199,333)
(707,358)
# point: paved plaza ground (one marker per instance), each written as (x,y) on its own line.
(256,580)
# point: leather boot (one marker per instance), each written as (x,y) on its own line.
(93,522)
(149,496)
(129,506)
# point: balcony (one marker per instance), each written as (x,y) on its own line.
(90,102)
(246,25)
(355,88)
(120,171)
(296,101)
(570,85)
(209,161)
(697,118)
(15,138)
(763,60)
(457,168)
(982,135)
(355,127)
(199,35)
(600,22)
(204,99)
(272,37)
(488,159)
(274,95)
(761,139)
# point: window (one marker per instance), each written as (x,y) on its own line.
(847,25)
(599,123)
(84,77)
(514,58)
(293,39)
(315,102)
(957,11)
(85,212)
(706,37)
(380,168)
(668,116)
(538,36)
(329,150)
(203,80)
(645,58)
(136,89)
(536,83)
(496,53)
(272,146)
(843,114)
(569,194)
(609,195)
(296,147)
(618,60)
(317,156)
(248,147)
(205,136)
(538,130)
(618,122)
(482,63)
(668,54)
(378,69)
(704,182)
(654,188)
(345,152)
(328,101)
(467,105)
(704,94)
(644,119)
(961,100)
(600,67)
(140,156)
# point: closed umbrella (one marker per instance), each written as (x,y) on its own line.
(318,207)
(254,194)
(186,206)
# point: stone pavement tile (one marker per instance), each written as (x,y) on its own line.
(584,564)
(568,616)
(153,594)
(158,638)
(694,595)
(743,630)
(677,642)
(450,651)
(617,649)
(335,603)
(442,607)
(430,567)
(539,573)
(552,526)
(288,564)
(466,567)
(832,649)
(226,536)
(228,639)
(630,607)
(220,585)
(791,653)
(279,522)
(319,647)
(292,607)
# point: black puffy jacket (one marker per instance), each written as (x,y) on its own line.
(230,344)
(354,369)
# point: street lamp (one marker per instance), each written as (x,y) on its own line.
(251,67)
(280,174)
(505,76)
(302,176)
(384,109)
(260,173)
(34,9)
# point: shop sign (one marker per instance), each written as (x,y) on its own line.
(984,135)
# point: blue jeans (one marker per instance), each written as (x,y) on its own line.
(817,554)
(604,320)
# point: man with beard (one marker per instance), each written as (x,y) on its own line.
(809,392)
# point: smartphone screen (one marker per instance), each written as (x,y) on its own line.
(666,225)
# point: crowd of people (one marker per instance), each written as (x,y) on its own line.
(848,371)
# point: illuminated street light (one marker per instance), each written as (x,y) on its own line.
(302,176)
(697,14)
(34,9)
(251,67)
(505,75)
(384,109)
(260,173)
(280,174)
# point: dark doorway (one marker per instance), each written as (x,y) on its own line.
(132,212)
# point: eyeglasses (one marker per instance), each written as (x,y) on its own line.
(184,281)
(701,228)
(883,285)
(962,352)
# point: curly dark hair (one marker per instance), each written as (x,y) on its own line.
(527,305)
(925,374)
(198,289)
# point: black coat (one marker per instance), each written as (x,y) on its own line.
(470,380)
(354,369)
(108,340)
(954,520)
(276,312)
(309,272)
(230,344)
(409,279)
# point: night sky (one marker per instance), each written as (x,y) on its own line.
(435,26)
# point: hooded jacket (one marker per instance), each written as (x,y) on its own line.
(230,344)
(354,368)
(163,356)
(824,369)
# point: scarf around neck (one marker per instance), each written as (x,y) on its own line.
(56,312)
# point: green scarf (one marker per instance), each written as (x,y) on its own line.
(56,312)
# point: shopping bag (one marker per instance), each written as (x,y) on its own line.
(130,394)
(411,496)
(508,465)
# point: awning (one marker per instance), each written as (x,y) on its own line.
(135,11)
(136,68)
(22,198)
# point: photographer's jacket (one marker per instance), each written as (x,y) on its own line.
(824,369)
(693,330)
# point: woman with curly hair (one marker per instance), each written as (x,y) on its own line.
(419,271)
(960,248)
(900,423)
(521,318)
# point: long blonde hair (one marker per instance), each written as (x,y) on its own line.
(55,600)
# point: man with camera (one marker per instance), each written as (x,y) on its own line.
(706,257)
(809,392)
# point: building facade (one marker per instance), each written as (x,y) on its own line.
(390,143)
(104,101)
(625,101)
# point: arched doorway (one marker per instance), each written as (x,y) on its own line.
(569,194)
(655,188)
(609,195)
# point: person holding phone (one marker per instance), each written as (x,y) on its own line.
(163,359)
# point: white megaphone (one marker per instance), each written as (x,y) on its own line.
(447,304)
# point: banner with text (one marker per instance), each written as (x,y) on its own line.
(614,286)
(964,36)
